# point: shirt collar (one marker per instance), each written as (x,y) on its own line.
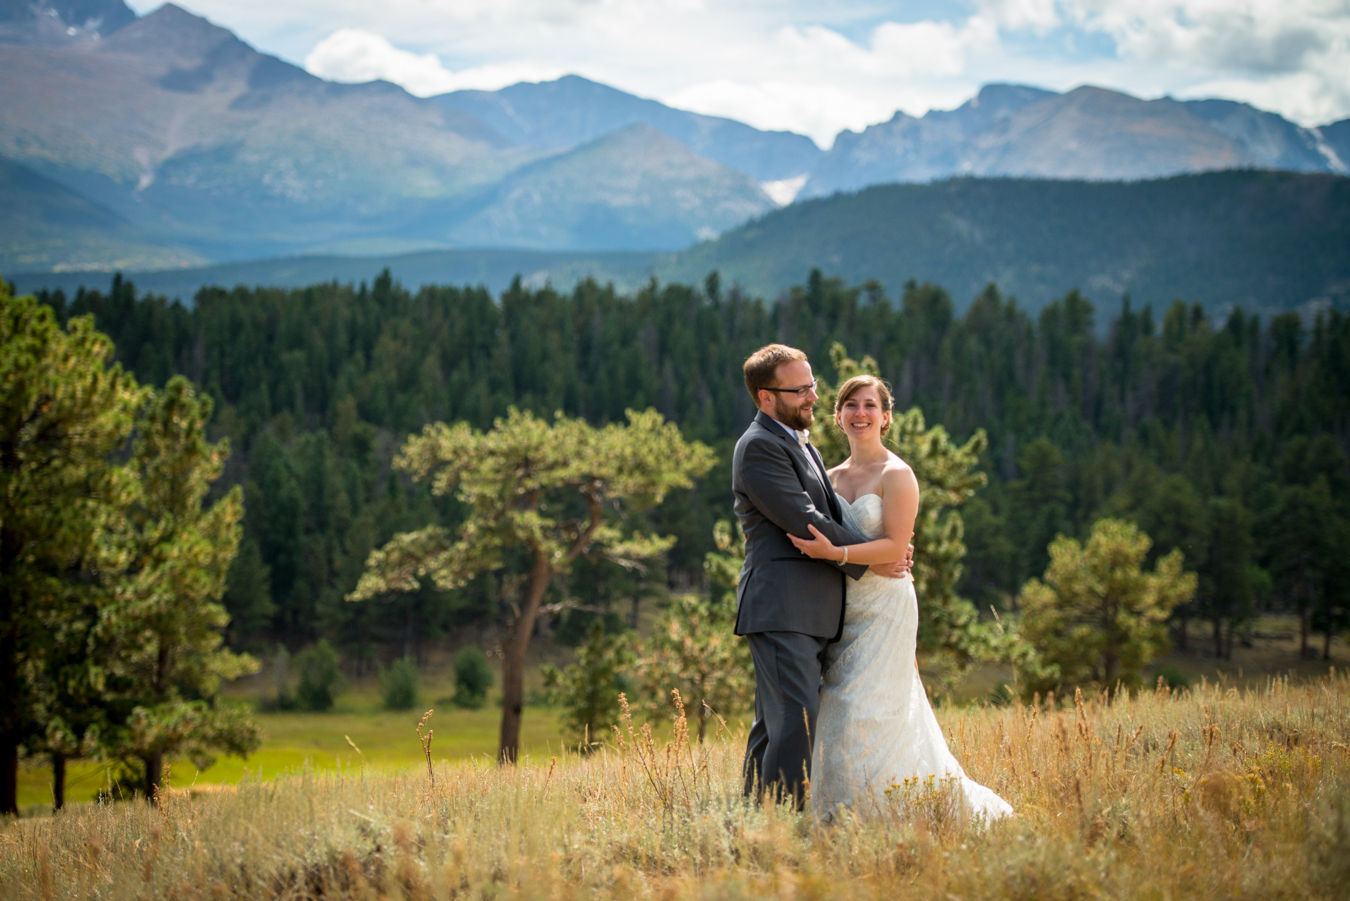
(787,428)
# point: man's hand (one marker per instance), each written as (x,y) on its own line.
(895,570)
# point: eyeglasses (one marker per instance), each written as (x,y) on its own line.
(800,392)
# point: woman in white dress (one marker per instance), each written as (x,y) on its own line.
(876,728)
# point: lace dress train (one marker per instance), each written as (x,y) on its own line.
(876,728)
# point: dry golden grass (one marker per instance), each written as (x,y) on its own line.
(1214,793)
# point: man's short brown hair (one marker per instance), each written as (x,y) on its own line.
(761,369)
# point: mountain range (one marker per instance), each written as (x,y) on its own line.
(164,140)
(1263,241)
(1087,133)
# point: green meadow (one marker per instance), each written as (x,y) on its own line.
(356,733)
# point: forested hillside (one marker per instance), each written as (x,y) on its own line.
(1263,241)
(1224,438)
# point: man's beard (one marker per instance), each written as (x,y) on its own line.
(799,417)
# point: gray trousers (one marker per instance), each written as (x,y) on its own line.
(787,697)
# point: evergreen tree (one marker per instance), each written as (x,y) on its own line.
(540,495)
(1097,617)
(63,413)
(1238,409)
(166,620)
(1302,549)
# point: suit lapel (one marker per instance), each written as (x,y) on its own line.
(829,488)
(814,464)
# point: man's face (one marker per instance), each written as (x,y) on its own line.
(789,409)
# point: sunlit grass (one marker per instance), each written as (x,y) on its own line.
(1213,793)
(385,739)
(296,739)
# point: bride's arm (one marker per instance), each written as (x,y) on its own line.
(899,508)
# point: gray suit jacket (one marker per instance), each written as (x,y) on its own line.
(778,491)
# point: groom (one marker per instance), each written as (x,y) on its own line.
(790,607)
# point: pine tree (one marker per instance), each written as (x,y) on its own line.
(166,619)
(1097,617)
(539,495)
(63,412)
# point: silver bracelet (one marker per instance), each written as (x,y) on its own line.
(844,562)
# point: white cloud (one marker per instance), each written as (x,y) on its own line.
(1035,15)
(819,111)
(1250,35)
(811,66)
(354,55)
(853,85)
(1290,56)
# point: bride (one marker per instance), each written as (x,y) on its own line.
(876,728)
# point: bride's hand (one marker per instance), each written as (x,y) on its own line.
(819,548)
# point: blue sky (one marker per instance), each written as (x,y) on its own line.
(817,68)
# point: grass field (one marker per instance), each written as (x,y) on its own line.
(388,743)
(1216,792)
(386,739)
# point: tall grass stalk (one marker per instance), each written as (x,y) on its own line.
(1206,793)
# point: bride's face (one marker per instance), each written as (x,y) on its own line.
(862,417)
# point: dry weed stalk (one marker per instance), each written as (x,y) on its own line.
(426,745)
(1152,795)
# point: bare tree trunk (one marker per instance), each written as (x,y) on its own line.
(154,772)
(58,781)
(1303,629)
(9,687)
(1109,663)
(9,775)
(407,628)
(1184,623)
(513,660)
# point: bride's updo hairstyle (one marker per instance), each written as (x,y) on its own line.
(856,384)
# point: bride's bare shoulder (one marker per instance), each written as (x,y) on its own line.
(899,476)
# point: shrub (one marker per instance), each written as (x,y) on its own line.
(279,673)
(320,678)
(473,678)
(399,683)
(1173,677)
(588,690)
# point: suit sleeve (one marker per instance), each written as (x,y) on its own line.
(773,486)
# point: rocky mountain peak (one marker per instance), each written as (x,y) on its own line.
(46,22)
(172,32)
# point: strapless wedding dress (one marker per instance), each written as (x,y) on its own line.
(876,728)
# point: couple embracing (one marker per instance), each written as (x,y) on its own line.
(826,602)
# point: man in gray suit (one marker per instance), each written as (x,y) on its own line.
(789,606)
